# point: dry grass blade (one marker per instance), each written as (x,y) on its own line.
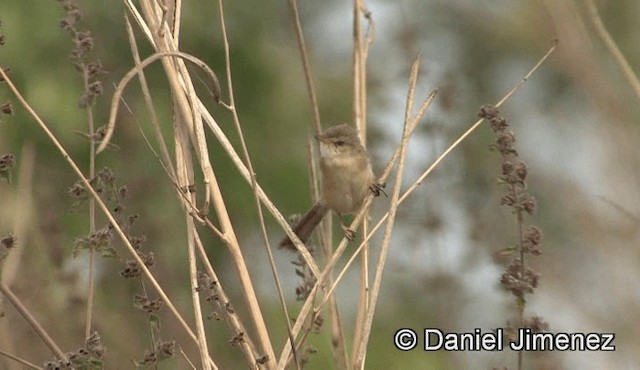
(360,55)
(358,360)
(360,346)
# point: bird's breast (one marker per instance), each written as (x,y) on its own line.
(345,181)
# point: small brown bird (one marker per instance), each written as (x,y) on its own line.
(346,180)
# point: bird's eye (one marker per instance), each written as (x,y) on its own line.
(339,142)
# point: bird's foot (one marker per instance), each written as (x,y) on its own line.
(348,233)
(377,188)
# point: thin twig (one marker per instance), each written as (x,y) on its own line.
(602,32)
(186,177)
(35,325)
(148,99)
(311,90)
(18,359)
(219,135)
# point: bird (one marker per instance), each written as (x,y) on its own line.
(347,177)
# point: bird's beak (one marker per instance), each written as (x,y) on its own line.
(321,138)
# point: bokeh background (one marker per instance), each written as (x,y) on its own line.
(576,123)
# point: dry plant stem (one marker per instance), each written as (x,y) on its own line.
(194,212)
(177,16)
(24,312)
(521,302)
(187,105)
(311,90)
(241,269)
(139,20)
(146,93)
(103,207)
(325,236)
(92,211)
(195,296)
(339,347)
(360,346)
(360,54)
(263,228)
(476,125)
(613,48)
(358,361)
(184,173)
(321,279)
(233,321)
(360,121)
(184,98)
(18,359)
